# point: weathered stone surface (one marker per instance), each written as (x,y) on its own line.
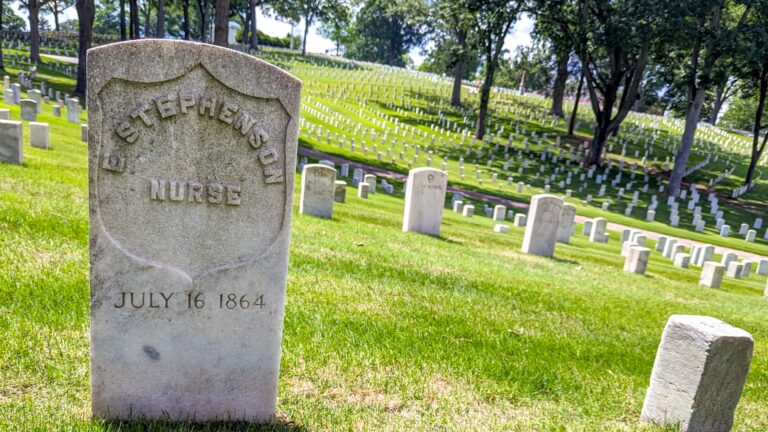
(734,269)
(682,260)
(637,259)
(598,230)
(11,134)
(192,150)
(698,375)
(499,213)
(317,190)
(468,210)
(567,223)
(362,190)
(542,227)
(458,206)
(424,200)
(28,110)
(711,274)
(371,180)
(340,191)
(38,135)
(661,243)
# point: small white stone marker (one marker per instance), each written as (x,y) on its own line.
(637,259)
(500,228)
(468,210)
(11,134)
(38,135)
(5,114)
(28,110)
(458,206)
(520,220)
(751,234)
(541,230)
(567,225)
(725,230)
(712,274)
(362,190)
(340,191)
(371,180)
(682,260)
(499,213)
(587,229)
(698,375)
(598,231)
(661,243)
(317,190)
(424,201)
(734,269)
(84,132)
(762,267)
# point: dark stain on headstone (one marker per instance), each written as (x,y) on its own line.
(151,352)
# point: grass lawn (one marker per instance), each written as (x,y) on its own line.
(383,330)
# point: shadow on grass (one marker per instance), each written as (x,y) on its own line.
(167,426)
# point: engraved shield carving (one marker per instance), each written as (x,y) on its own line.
(183,180)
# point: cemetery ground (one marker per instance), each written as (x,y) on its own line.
(383,330)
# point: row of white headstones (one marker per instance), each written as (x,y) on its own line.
(701,364)
(12,131)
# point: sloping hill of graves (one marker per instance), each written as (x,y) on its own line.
(396,119)
(383,330)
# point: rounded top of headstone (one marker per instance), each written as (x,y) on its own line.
(707,327)
(153,60)
(318,167)
(341,182)
(546,197)
(427,169)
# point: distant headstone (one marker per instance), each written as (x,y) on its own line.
(84,132)
(340,192)
(698,376)
(542,227)
(28,110)
(56,110)
(5,114)
(598,230)
(11,134)
(682,260)
(424,200)
(661,243)
(192,150)
(637,259)
(38,135)
(500,228)
(371,180)
(499,213)
(734,269)
(712,274)
(468,210)
(317,190)
(362,190)
(567,223)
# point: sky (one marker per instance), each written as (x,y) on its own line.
(520,34)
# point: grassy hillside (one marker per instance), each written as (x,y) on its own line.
(383,330)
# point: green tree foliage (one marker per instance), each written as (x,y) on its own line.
(533,63)
(11,21)
(613,42)
(337,24)
(741,113)
(386,30)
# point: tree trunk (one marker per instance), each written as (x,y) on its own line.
(34,31)
(123,35)
(221,25)
(717,104)
(558,90)
(160,30)
(598,144)
(147,21)
(458,73)
(2,38)
(485,97)
(85,13)
(55,19)
(185,24)
(572,123)
(203,6)
(254,32)
(133,12)
(307,22)
(692,115)
(758,151)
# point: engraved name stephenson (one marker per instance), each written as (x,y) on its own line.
(206,106)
